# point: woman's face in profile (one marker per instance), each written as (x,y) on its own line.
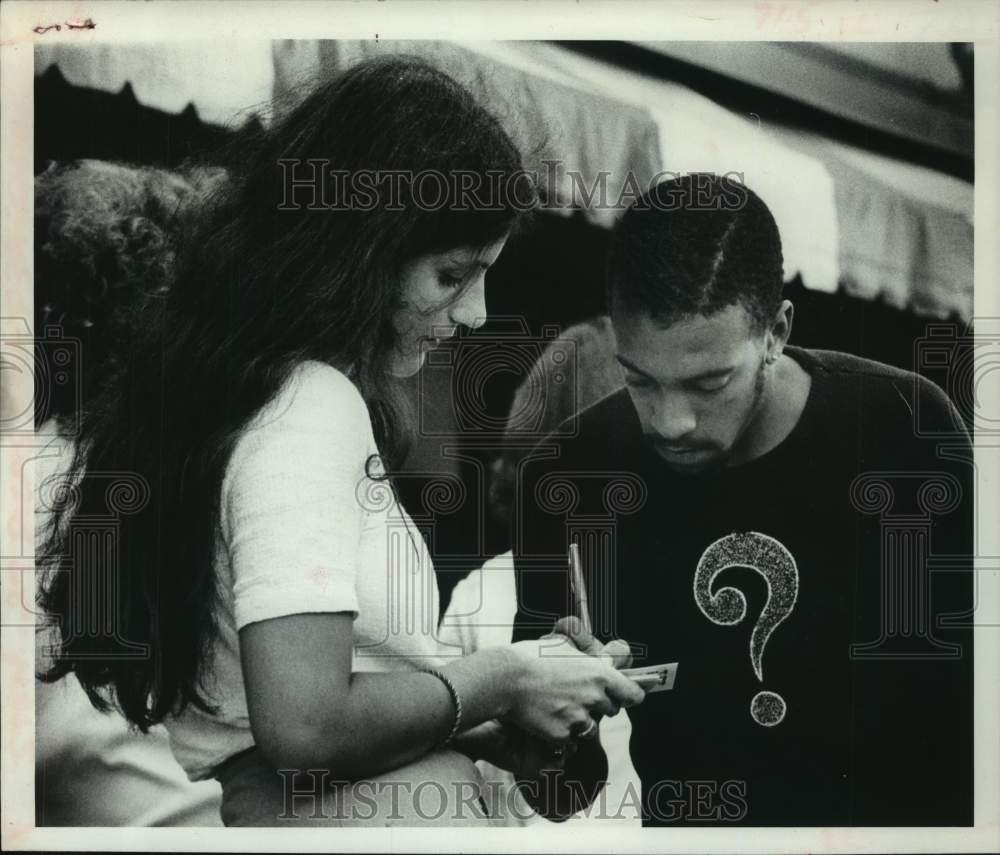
(440,292)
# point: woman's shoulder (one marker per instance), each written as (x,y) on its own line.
(316,392)
(316,424)
(320,382)
(317,410)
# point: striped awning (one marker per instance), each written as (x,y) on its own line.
(874,226)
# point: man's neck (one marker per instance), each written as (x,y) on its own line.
(784,400)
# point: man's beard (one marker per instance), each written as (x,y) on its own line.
(758,389)
(753,411)
(723,459)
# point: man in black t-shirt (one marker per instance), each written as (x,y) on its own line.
(768,517)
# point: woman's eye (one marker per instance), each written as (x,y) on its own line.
(637,382)
(450,280)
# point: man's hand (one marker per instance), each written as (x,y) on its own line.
(616,651)
(583,762)
(508,747)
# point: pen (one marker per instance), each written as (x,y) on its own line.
(579,588)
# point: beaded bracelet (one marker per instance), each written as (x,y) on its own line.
(454,696)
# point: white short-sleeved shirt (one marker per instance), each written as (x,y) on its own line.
(303,528)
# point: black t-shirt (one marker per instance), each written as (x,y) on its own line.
(851,520)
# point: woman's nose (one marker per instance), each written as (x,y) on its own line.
(470,309)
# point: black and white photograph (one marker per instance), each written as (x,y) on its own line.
(442,426)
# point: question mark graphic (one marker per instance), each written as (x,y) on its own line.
(728,606)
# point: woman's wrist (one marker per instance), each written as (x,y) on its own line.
(488,682)
(512,673)
(509,671)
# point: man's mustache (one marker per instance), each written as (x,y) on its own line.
(660,442)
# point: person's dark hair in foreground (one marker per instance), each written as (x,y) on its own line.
(105,239)
(248,413)
(737,472)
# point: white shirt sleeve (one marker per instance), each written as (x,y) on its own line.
(290,517)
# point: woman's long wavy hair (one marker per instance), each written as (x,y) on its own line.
(263,281)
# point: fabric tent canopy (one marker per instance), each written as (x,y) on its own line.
(585,132)
(906,232)
(225,80)
(877,227)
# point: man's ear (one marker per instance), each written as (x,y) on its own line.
(781,329)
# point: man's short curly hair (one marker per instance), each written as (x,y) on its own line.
(694,245)
(105,237)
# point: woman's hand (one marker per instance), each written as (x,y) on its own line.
(561,692)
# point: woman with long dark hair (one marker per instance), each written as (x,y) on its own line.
(265,596)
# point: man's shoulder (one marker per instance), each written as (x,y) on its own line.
(851,380)
(600,432)
(836,363)
(612,415)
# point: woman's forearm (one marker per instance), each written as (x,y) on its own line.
(309,710)
(387,720)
